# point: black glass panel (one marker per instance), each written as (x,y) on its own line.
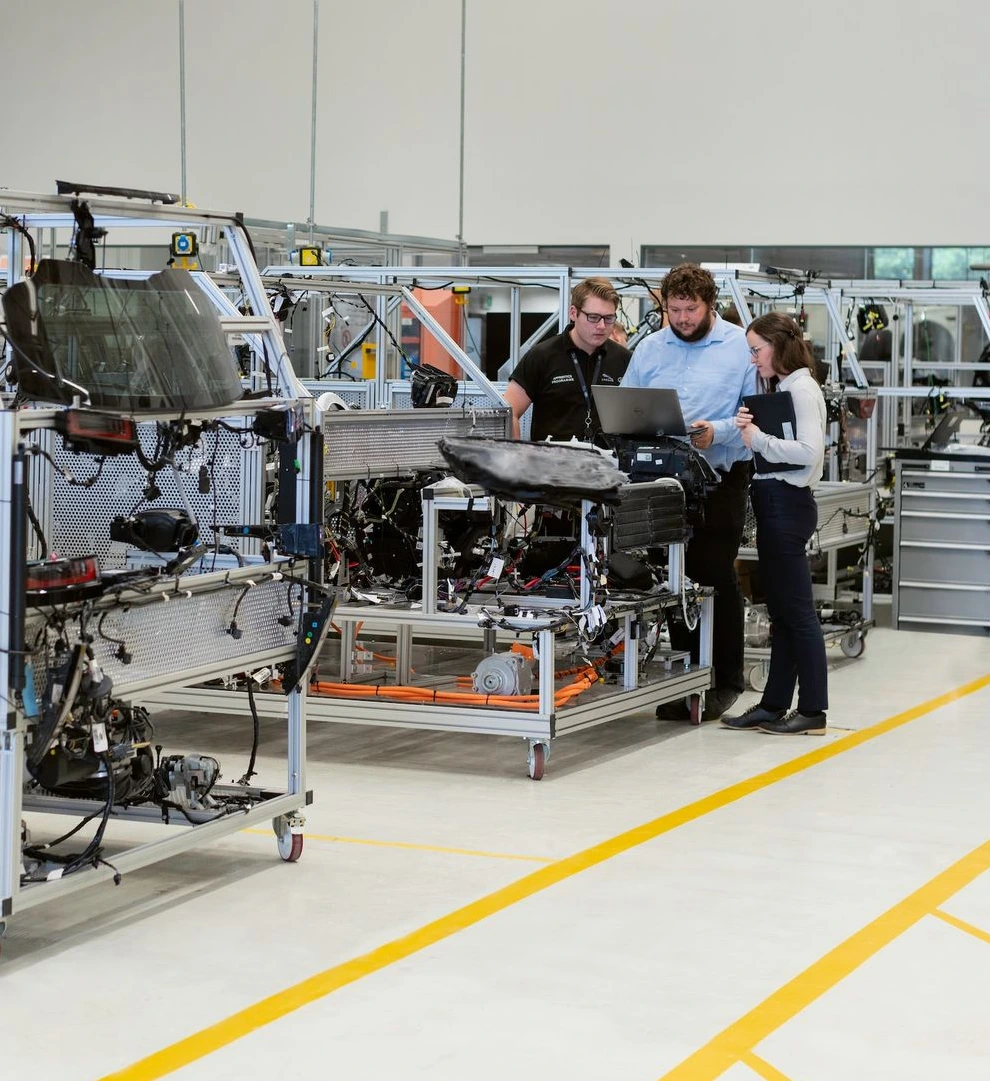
(124,344)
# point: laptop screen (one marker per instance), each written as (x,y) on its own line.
(639,411)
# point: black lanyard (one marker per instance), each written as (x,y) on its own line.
(584,386)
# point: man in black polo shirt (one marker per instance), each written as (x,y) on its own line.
(556,376)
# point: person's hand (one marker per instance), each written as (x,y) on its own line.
(747,434)
(744,418)
(702,434)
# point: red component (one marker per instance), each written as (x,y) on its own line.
(862,407)
(99,433)
(60,573)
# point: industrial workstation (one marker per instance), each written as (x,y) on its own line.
(451,456)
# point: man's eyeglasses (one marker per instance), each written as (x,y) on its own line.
(755,350)
(594,318)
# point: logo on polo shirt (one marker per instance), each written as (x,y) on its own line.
(561,379)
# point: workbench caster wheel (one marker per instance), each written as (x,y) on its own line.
(695,708)
(290,846)
(536,761)
(289,836)
(758,675)
(853,644)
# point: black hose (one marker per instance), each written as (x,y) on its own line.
(250,771)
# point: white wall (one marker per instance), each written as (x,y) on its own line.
(646,121)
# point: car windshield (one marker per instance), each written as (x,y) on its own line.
(132,345)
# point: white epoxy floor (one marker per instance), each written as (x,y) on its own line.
(689,954)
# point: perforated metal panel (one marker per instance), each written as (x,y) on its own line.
(399,395)
(388,442)
(357,394)
(843,510)
(185,638)
(78,518)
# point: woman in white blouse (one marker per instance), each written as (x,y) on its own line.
(786,518)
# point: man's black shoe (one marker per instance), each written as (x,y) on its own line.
(674,711)
(717,702)
(753,718)
(796,724)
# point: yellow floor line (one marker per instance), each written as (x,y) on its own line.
(961,925)
(762,1068)
(732,1044)
(413,847)
(270,1009)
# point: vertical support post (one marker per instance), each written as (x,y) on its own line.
(431,553)
(895,584)
(460,165)
(381,349)
(182,101)
(312,122)
(675,567)
(11,779)
(630,655)
(296,779)
(15,266)
(403,654)
(565,300)
(17,568)
(904,404)
(348,640)
(8,552)
(868,557)
(515,325)
(871,472)
(544,643)
(705,630)
(891,371)
(587,589)
(11,719)
(832,343)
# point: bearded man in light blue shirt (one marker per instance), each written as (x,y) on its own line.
(706,360)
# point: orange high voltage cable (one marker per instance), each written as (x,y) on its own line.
(424,695)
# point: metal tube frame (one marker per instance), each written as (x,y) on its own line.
(51,212)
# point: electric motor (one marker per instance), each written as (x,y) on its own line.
(503,673)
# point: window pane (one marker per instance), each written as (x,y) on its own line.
(950,264)
(893,263)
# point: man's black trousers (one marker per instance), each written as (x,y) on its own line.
(710,561)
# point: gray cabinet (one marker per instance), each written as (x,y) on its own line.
(942,543)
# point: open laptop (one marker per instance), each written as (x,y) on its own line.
(639,411)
